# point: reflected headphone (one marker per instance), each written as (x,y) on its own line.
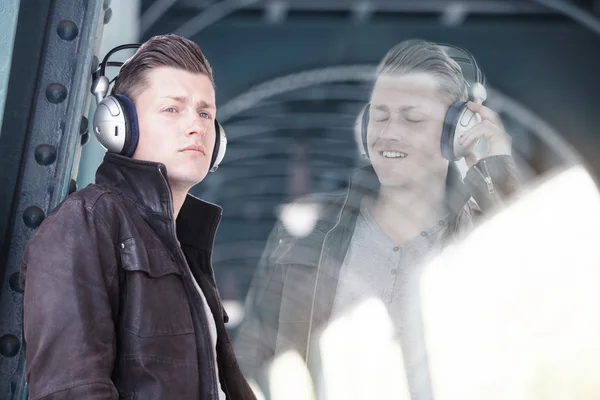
(458,118)
(115,121)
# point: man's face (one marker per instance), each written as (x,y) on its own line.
(176,114)
(405,126)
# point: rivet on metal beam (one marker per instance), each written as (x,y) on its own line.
(45,154)
(107,16)
(56,93)
(85,138)
(33,216)
(72,186)
(84,131)
(83,126)
(15,283)
(67,30)
(9,345)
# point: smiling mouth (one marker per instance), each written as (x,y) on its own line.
(393,154)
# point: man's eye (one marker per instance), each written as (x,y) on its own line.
(204,115)
(379,117)
(170,110)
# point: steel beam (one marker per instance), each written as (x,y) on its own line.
(44,126)
(399,6)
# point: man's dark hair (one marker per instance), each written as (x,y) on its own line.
(160,51)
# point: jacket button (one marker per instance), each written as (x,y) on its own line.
(122,245)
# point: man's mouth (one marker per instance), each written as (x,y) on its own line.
(393,154)
(196,148)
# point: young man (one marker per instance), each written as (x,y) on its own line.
(119,294)
(402,209)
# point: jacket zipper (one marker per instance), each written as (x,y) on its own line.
(487,178)
(207,343)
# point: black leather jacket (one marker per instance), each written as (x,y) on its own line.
(110,309)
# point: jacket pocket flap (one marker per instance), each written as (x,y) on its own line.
(152,261)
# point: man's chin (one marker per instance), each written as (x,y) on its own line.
(187,179)
(392,183)
(395,177)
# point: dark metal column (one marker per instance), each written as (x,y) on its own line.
(44,126)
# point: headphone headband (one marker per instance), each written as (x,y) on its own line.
(464,59)
(104,62)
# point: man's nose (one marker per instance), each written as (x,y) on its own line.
(197,125)
(393,129)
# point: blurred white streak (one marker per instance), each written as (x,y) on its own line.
(289,378)
(454,14)
(512,312)
(235,312)
(211,15)
(256,389)
(574,12)
(153,13)
(295,81)
(359,357)
(276,11)
(299,219)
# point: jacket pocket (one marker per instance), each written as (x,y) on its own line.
(153,298)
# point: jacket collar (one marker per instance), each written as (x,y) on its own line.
(145,184)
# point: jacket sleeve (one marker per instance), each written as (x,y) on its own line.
(257,334)
(67,269)
(493,181)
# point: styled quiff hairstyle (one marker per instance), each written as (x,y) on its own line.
(417,55)
(160,51)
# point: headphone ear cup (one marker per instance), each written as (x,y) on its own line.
(364,126)
(115,125)
(132,134)
(449,130)
(459,119)
(110,124)
(220,147)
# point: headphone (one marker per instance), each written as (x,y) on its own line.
(458,118)
(115,121)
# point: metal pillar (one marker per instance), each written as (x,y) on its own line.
(44,125)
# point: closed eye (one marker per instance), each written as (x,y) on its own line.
(379,116)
